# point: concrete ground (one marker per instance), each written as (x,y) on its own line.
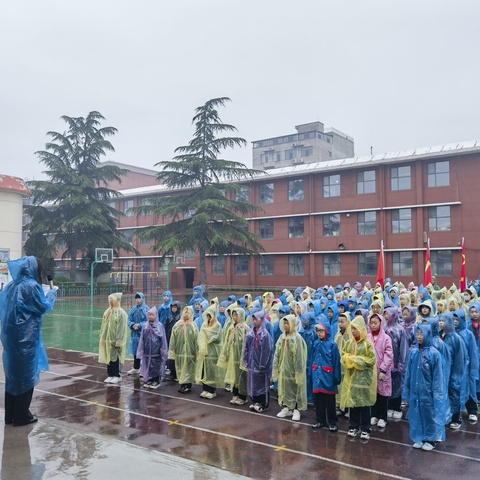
(89,430)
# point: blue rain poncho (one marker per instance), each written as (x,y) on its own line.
(137,316)
(164,309)
(197,296)
(22,306)
(153,348)
(310,336)
(326,370)
(424,390)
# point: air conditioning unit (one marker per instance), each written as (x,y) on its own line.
(297,161)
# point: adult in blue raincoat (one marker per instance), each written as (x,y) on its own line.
(22,306)
(137,318)
(424,390)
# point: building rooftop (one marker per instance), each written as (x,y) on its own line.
(14,184)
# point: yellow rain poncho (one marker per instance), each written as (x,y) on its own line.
(114,334)
(232,352)
(209,344)
(290,367)
(183,347)
(359,385)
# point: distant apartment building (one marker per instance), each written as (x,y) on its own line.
(311,144)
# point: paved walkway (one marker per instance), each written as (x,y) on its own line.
(90,430)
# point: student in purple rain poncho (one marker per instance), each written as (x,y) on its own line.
(153,350)
(258,359)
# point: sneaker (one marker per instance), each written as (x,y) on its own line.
(228,388)
(239,401)
(260,408)
(347,414)
(332,428)
(472,418)
(155,385)
(404,405)
(108,380)
(340,413)
(204,394)
(381,423)
(133,371)
(397,415)
(185,389)
(390,413)
(147,384)
(454,425)
(210,395)
(234,399)
(115,380)
(352,432)
(373,421)
(418,445)
(365,436)
(319,425)
(252,406)
(285,412)
(296,415)
(427,446)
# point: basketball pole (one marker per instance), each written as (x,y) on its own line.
(91,280)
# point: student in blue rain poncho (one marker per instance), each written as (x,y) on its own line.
(257,360)
(164,309)
(310,336)
(197,296)
(153,350)
(474,327)
(332,318)
(137,318)
(458,352)
(22,306)
(222,317)
(468,395)
(424,390)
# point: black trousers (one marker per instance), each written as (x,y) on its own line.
(471,406)
(171,367)
(325,408)
(136,362)
(379,410)
(113,368)
(394,404)
(263,400)
(208,388)
(17,407)
(360,418)
(236,394)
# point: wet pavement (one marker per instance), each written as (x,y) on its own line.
(90,430)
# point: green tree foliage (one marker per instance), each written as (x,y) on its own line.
(199,214)
(73,205)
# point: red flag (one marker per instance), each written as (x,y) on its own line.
(463,269)
(381,268)
(428,267)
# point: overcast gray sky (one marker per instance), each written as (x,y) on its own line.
(394,75)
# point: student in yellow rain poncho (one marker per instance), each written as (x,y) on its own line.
(113,338)
(209,344)
(183,349)
(231,357)
(290,369)
(359,385)
(340,339)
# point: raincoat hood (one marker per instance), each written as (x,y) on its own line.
(292,320)
(359,323)
(240,313)
(232,298)
(168,294)
(427,335)
(260,316)
(212,311)
(117,299)
(462,322)
(448,325)
(198,291)
(26,267)
(325,327)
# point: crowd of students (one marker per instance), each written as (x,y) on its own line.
(365,352)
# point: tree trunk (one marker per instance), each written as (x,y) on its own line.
(73,264)
(203,271)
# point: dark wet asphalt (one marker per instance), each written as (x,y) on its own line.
(73,398)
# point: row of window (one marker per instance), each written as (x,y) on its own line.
(439,220)
(292,138)
(289,154)
(402,264)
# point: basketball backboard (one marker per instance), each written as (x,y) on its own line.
(104,255)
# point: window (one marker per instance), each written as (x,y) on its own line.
(402,220)
(144,241)
(367,223)
(331,264)
(295,227)
(441,261)
(290,154)
(402,263)
(264,157)
(266,265)
(295,190)
(266,228)
(127,205)
(144,202)
(439,219)
(218,265)
(241,265)
(128,235)
(276,157)
(438,174)
(331,186)
(266,193)
(366,182)
(400,178)
(242,194)
(306,151)
(331,225)
(296,265)
(367,264)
